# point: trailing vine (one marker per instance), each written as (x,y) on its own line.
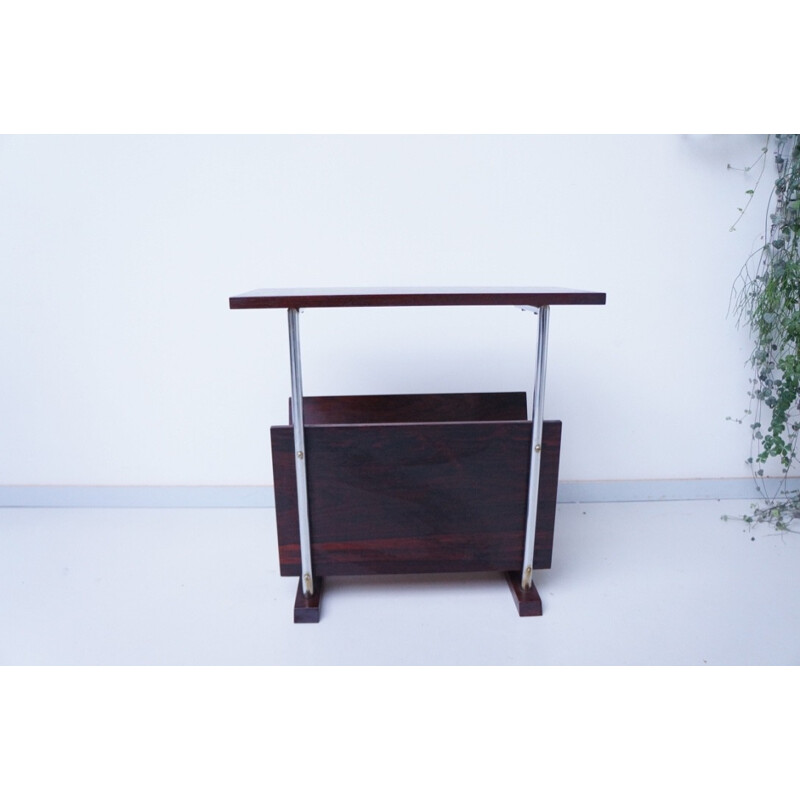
(767,300)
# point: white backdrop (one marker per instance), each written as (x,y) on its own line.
(121,363)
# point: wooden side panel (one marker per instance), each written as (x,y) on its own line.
(548,494)
(415,498)
(485,406)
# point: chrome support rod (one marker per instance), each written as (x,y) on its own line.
(536,447)
(300,452)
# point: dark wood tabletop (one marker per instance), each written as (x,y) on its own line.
(416,296)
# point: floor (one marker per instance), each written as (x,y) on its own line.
(663,583)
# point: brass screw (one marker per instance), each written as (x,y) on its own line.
(527,581)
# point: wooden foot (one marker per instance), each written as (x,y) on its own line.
(306,607)
(528,602)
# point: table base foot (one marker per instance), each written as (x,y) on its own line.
(528,602)
(306,607)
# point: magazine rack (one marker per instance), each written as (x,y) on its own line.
(404,484)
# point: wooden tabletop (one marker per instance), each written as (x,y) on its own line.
(420,296)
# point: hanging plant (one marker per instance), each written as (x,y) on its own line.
(768,301)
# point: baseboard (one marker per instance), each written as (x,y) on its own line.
(264,497)
(677,489)
(137,496)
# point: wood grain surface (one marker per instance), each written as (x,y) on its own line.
(420,296)
(387,408)
(415,497)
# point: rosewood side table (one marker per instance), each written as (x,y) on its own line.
(403,484)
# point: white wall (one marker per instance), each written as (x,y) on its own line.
(121,363)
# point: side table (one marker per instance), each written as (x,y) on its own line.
(426,483)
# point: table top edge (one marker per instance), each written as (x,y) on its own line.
(433,296)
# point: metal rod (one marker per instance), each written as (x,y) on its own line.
(536,447)
(300,452)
